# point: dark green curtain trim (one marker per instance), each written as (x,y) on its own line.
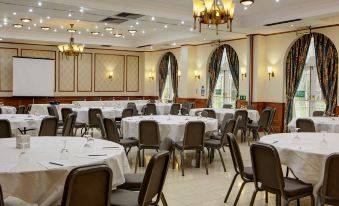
(163,68)
(233,62)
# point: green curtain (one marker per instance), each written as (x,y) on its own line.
(213,71)
(163,68)
(327,67)
(295,64)
(233,62)
(174,75)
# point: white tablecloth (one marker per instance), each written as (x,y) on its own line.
(162,108)
(220,113)
(113,103)
(42,108)
(8,110)
(306,156)
(171,126)
(23,120)
(328,124)
(31,177)
(107,112)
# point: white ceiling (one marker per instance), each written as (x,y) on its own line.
(166,12)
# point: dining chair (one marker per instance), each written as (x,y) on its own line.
(52,111)
(28,109)
(305,125)
(262,124)
(5,128)
(133,106)
(250,107)
(242,126)
(229,126)
(127,112)
(112,134)
(318,113)
(102,126)
(77,125)
(93,121)
(68,128)
(270,124)
(270,179)
(211,113)
(186,107)
(149,138)
(227,106)
(175,109)
(246,173)
(21,109)
(151,188)
(151,108)
(193,140)
(1,197)
(49,126)
(88,186)
(329,192)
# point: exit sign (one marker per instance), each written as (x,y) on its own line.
(242,97)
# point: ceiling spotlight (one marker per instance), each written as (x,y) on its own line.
(96,26)
(1,39)
(55,30)
(137,23)
(79,32)
(26,20)
(14,13)
(132,31)
(153,18)
(48,17)
(108,28)
(246,2)
(191,29)
(69,15)
(40,21)
(78,20)
(34,25)
(95,32)
(81,9)
(182,22)
(39,3)
(30,10)
(5,23)
(18,25)
(29,28)
(71,30)
(165,26)
(143,31)
(45,28)
(174,44)
(117,35)
(102,34)
(61,27)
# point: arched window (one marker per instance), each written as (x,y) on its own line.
(168,78)
(167,94)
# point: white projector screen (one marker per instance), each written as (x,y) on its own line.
(33,77)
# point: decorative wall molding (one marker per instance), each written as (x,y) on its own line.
(6,68)
(81,65)
(68,78)
(132,73)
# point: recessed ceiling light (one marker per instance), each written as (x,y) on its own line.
(105,24)
(1,39)
(34,24)
(111,32)
(277,0)
(123,37)
(132,31)
(26,20)
(143,31)
(48,17)
(78,20)
(55,30)
(137,23)
(182,22)
(151,47)
(18,25)
(246,2)
(117,35)
(79,32)
(5,23)
(245,8)
(102,34)
(292,25)
(5,20)
(61,27)
(45,28)
(174,44)
(95,32)
(71,30)
(191,29)
(81,9)
(87,30)
(39,3)
(0,25)
(40,21)
(108,28)
(153,18)
(96,26)
(69,15)
(165,26)
(14,13)
(131,26)
(30,10)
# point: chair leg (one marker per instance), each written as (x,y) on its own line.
(278,200)
(173,159)
(143,158)
(136,161)
(231,187)
(223,148)
(129,149)
(287,171)
(312,200)
(253,197)
(266,197)
(163,199)
(205,159)
(222,160)
(182,163)
(239,193)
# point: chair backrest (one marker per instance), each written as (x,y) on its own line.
(1,197)
(5,128)
(244,118)
(28,109)
(211,113)
(52,111)
(21,109)
(88,186)
(149,133)
(65,112)
(235,154)
(305,125)
(236,125)
(134,107)
(93,120)
(188,105)
(229,127)
(227,106)
(69,123)
(265,119)
(270,177)
(204,113)
(330,188)
(154,179)
(151,108)
(112,133)
(49,126)
(184,111)
(318,113)
(167,145)
(194,135)
(127,112)
(273,111)
(102,126)
(175,109)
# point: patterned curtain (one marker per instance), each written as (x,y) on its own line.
(233,62)
(163,68)
(295,64)
(327,67)
(213,71)
(174,75)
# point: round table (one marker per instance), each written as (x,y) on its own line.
(8,110)
(328,124)
(170,126)
(107,112)
(220,113)
(305,155)
(162,108)
(23,120)
(32,178)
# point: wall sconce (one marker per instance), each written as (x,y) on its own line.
(179,75)
(151,76)
(243,73)
(270,72)
(110,76)
(196,75)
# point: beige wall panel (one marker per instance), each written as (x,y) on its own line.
(132,73)
(85,73)
(6,68)
(66,74)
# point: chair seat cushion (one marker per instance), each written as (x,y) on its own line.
(133,181)
(248,173)
(294,187)
(253,125)
(213,143)
(129,142)
(124,198)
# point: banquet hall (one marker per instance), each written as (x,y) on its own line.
(180,103)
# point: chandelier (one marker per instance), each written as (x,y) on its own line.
(71,49)
(213,12)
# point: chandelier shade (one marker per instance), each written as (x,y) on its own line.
(71,49)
